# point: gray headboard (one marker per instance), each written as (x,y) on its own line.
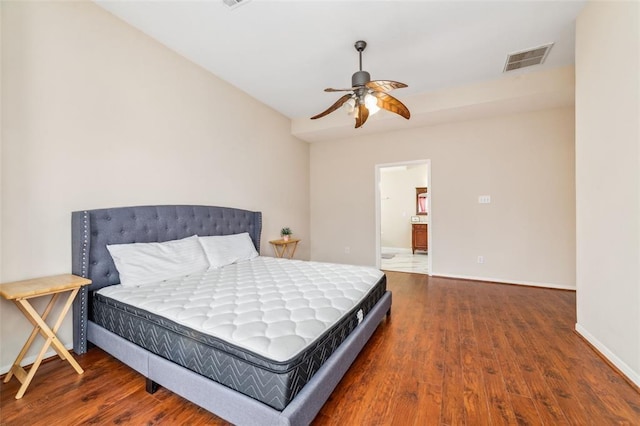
(92,230)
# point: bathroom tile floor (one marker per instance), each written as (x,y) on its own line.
(406,262)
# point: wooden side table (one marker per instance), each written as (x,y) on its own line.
(20,292)
(285,248)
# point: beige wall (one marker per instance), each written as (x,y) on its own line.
(96,114)
(525,162)
(608,180)
(398,203)
(1,135)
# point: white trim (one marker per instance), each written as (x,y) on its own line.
(501,281)
(378,225)
(604,351)
(31,359)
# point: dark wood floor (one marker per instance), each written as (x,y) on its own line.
(452,353)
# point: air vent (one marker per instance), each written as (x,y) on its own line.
(528,57)
(235,3)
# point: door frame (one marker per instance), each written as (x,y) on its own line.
(378,229)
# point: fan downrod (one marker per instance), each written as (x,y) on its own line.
(360,78)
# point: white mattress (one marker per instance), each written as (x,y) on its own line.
(271,307)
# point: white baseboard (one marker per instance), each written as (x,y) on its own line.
(634,376)
(498,280)
(31,359)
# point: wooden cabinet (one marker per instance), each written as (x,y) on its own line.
(419,237)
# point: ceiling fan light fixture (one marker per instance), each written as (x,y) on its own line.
(366,97)
(371,102)
(350,106)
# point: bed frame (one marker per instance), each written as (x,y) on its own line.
(92,230)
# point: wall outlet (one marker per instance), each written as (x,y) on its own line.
(347,250)
(480,259)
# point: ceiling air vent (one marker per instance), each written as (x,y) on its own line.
(235,3)
(526,58)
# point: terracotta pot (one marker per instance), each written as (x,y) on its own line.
(285,237)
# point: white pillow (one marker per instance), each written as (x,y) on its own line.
(144,263)
(224,250)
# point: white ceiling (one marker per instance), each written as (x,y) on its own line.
(284,53)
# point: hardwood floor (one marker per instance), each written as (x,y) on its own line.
(452,353)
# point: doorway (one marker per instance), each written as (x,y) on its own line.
(399,214)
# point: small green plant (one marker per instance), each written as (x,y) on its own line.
(286,231)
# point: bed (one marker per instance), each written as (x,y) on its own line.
(244,388)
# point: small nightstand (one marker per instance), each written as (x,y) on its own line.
(285,248)
(20,292)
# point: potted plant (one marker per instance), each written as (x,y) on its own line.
(285,233)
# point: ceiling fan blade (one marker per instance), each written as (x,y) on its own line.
(333,107)
(361,115)
(388,102)
(385,85)
(329,89)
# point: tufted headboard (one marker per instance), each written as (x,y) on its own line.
(93,230)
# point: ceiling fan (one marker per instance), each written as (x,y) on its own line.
(367,97)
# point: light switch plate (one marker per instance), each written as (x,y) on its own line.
(484,199)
